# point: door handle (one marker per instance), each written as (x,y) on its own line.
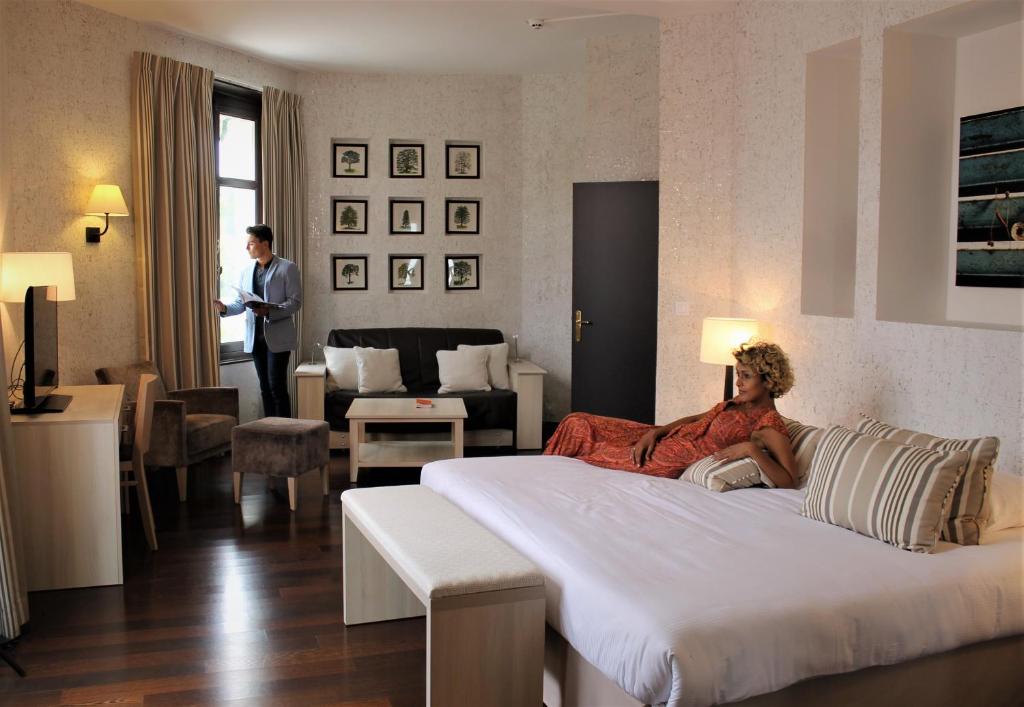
(578,323)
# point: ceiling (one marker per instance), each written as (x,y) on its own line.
(424,36)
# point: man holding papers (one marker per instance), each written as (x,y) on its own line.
(269,292)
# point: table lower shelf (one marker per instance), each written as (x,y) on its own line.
(403,453)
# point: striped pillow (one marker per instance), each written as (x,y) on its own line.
(804,439)
(967,515)
(726,475)
(892,492)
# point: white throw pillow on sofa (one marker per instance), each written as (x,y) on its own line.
(497,363)
(462,370)
(379,371)
(342,370)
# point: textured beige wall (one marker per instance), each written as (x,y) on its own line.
(601,125)
(428,109)
(68,127)
(946,380)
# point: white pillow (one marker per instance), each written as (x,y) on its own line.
(342,371)
(379,371)
(465,369)
(1005,502)
(497,363)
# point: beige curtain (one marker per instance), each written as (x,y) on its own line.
(174,183)
(13,593)
(284,185)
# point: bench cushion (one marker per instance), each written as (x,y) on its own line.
(440,549)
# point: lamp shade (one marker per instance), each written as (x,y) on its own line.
(20,271)
(720,336)
(106,199)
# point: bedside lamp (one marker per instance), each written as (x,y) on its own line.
(719,337)
(19,271)
(106,201)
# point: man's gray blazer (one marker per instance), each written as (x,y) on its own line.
(283,286)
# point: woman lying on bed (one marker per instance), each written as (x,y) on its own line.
(748,425)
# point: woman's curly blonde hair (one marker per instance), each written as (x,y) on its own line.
(771,362)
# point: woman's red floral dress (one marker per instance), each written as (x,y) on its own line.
(608,441)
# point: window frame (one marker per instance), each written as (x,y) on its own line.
(239,102)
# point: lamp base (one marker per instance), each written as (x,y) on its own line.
(728,383)
(92,234)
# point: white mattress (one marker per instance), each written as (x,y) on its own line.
(687,597)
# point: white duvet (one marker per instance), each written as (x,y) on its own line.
(687,597)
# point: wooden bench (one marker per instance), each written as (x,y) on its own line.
(408,552)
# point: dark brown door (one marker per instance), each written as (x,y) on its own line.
(615,298)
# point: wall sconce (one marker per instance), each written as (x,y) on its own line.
(719,337)
(23,270)
(106,201)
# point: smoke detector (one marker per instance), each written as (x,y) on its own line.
(535,24)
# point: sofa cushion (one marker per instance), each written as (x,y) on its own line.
(204,432)
(485,410)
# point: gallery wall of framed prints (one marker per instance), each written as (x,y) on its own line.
(405,215)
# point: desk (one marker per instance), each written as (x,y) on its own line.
(69,489)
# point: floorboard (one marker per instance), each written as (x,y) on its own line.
(239,606)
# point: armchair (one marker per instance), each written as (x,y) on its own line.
(189,425)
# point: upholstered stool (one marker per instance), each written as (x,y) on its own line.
(280,446)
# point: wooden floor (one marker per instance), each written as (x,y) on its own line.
(240,605)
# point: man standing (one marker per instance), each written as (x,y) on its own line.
(269,328)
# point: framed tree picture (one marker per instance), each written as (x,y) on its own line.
(348,272)
(407,161)
(462,272)
(406,272)
(462,161)
(351,159)
(349,215)
(405,216)
(462,216)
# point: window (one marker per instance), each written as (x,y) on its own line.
(236,130)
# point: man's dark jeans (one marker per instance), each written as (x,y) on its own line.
(272,370)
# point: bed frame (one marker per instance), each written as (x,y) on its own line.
(988,673)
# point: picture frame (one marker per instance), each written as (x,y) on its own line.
(348,216)
(407,160)
(406,216)
(351,160)
(462,217)
(462,161)
(405,272)
(349,272)
(462,272)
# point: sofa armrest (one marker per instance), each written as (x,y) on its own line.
(209,401)
(310,388)
(168,445)
(527,380)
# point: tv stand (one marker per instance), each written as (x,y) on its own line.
(50,403)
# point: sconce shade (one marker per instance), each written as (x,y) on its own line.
(106,199)
(721,335)
(19,271)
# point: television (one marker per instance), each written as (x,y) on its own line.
(41,377)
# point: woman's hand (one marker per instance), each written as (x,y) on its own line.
(735,451)
(642,450)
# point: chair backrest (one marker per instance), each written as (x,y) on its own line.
(144,414)
(417,347)
(128,376)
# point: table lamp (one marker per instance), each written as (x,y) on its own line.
(19,271)
(719,337)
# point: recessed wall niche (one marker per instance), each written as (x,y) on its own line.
(919,165)
(831,139)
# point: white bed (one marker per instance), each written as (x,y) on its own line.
(686,597)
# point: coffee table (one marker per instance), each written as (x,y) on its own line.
(400,452)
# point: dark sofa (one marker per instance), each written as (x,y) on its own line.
(417,356)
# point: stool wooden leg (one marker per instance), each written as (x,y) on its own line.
(325,478)
(237,483)
(182,472)
(293,495)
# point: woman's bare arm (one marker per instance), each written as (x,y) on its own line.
(772,452)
